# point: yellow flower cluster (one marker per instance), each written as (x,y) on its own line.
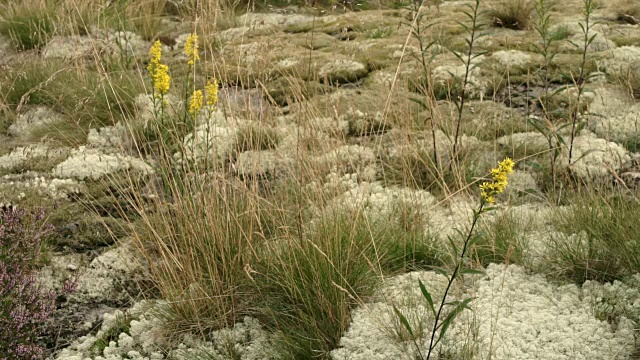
(191,49)
(212,92)
(488,190)
(159,72)
(196,102)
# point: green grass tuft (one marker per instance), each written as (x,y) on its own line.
(29,31)
(512,14)
(600,237)
(86,98)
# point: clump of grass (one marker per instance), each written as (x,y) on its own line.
(599,241)
(512,14)
(311,284)
(203,242)
(380,32)
(632,81)
(28,27)
(86,98)
(122,326)
(502,241)
(560,33)
(413,166)
(256,137)
(627,11)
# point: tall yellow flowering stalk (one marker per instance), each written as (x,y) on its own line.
(211,90)
(159,72)
(488,191)
(196,102)
(191,49)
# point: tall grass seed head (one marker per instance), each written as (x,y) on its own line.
(195,104)
(191,49)
(211,90)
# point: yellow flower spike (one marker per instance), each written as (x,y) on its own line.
(191,49)
(159,72)
(212,92)
(507,165)
(488,190)
(161,80)
(196,102)
(156,55)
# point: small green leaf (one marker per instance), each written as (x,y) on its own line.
(427,297)
(420,102)
(586,153)
(452,315)
(442,272)
(472,272)
(475,239)
(403,320)
(453,246)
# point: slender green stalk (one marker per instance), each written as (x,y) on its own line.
(452,278)
(488,191)
(542,27)
(472,30)
(418,31)
(589,7)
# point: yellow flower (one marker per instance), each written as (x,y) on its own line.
(156,55)
(488,190)
(159,72)
(191,49)
(196,102)
(212,92)
(161,80)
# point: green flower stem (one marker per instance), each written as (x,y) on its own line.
(456,271)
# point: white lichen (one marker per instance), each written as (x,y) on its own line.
(514,316)
(84,163)
(593,157)
(342,70)
(142,336)
(21,155)
(33,118)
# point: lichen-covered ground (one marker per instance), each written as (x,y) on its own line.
(335,88)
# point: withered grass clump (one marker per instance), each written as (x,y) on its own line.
(512,14)
(627,11)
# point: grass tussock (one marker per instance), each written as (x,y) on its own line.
(599,237)
(512,14)
(627,11)
(225,249)
(29,24)
(312,284)
(86,98)
(503,240)
(204,242)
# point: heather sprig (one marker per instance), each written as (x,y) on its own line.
(21,234)
(24,306)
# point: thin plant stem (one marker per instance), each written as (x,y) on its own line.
(467,70)
(456,270)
